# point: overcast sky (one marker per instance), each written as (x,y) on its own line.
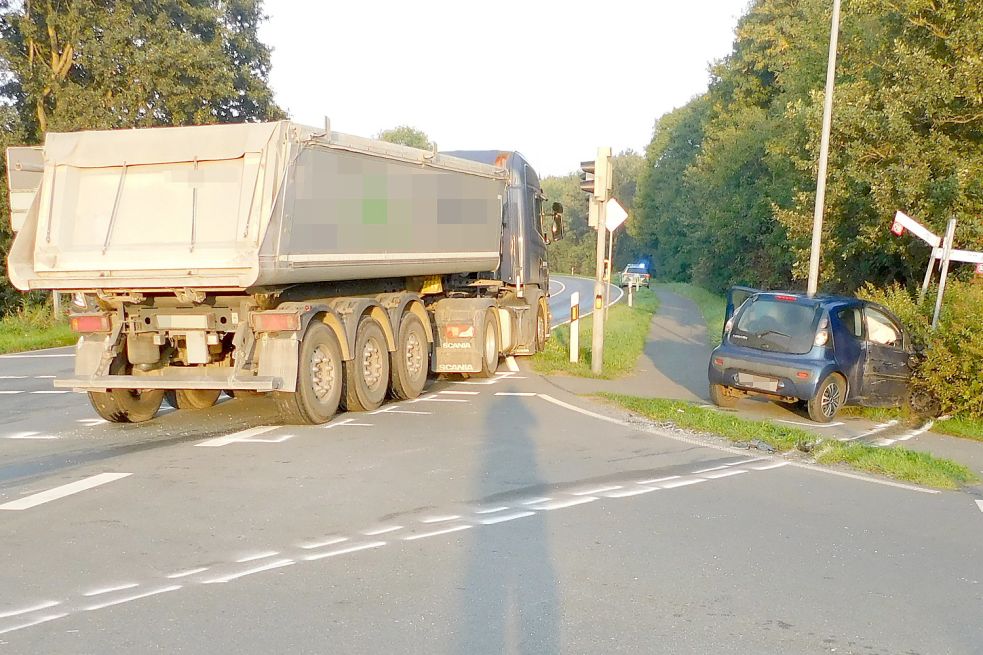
(553,80)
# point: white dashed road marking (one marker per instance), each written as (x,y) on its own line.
(235,437)
(43,619)
(65,490)
(563,504)
(28,610)
(378,531)
(637,491)
(809,425)
(29,435)
(682,483)
(127,599)
(321,544)
(184,574)
(278,564)
(460,393)
(253,558)
(979,503)
(424,535)
(109,590)
(515,393)
(512,364)
(10,393)
(344,551)
(502,518)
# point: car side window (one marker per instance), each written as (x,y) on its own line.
(852,321)
(881,329)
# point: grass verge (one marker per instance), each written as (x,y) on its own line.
(711,306)
(32,328)
(965,428)
(897,463)
(624,332)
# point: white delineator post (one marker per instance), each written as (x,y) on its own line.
(575,327)
(950,234)
(631,285)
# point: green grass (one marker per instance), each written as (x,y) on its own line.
(966,428)
(711,305)
(624,331)
(898,463)
(32,328)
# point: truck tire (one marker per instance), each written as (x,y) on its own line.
(126,405)
(542,329)
(192,398)
(830,396)
(319,379)
(366,378)
(489,346)
(410,364)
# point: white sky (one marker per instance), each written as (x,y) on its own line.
(521,76)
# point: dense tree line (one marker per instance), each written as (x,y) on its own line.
(98,64)
(728,189)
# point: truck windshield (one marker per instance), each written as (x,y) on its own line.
(777,325)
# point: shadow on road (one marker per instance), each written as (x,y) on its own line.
(509,597)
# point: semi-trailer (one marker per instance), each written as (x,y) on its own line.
(275,258)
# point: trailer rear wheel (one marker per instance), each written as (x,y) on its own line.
(410,364)
(192,398)
(490,346)
(367,374)
(319,382)
(126,405)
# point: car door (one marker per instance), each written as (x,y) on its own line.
(849,346)
(886,370)
(735,298)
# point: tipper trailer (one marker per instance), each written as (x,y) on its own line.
(323,268)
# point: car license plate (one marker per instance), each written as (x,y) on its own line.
(757,382)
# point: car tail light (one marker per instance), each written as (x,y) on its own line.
(822,335)
(719,361)
(459,331)
(87,323)
(275,321)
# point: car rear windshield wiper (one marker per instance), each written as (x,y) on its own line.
(781,334)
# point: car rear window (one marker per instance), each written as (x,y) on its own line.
(636,269)
(777,326)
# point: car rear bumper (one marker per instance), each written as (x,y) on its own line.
(772,375)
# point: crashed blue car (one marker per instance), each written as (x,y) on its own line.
(820,352)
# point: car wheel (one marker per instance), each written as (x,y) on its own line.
(830,396)
(720,398)
(923,403)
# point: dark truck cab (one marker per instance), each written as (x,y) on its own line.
(822,351)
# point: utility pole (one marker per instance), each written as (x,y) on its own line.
(598,181)
(817,219)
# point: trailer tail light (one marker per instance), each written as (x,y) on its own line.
(275,321)
(459,331)
(88,323)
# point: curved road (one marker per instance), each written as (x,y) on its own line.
(561,288)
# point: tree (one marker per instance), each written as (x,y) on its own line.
(406,136)
(97,64)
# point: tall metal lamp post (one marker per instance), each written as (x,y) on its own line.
(817,220)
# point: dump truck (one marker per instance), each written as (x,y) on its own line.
(275,258)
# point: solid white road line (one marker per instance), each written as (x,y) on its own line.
(28,610)
(809,425)
(36,356)
(127,599)
(516,393)
(65,490)
(502,518)
(48,391)
(107,590)
(344,551)
(278,564)
(43,619)
(424,535)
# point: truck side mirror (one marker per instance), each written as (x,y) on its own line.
(557,227)
(557,208)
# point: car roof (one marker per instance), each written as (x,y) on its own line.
(827,301)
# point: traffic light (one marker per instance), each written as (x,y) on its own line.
(587,177)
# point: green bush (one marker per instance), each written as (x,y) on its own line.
(953,365)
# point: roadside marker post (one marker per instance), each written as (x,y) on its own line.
(950,233)
(574,327)
(631,295)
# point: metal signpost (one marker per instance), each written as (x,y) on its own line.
(616,216)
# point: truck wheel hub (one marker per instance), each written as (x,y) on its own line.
(371,364)
(414,355)
(322,373)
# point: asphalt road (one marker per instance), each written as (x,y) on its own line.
(483,518)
